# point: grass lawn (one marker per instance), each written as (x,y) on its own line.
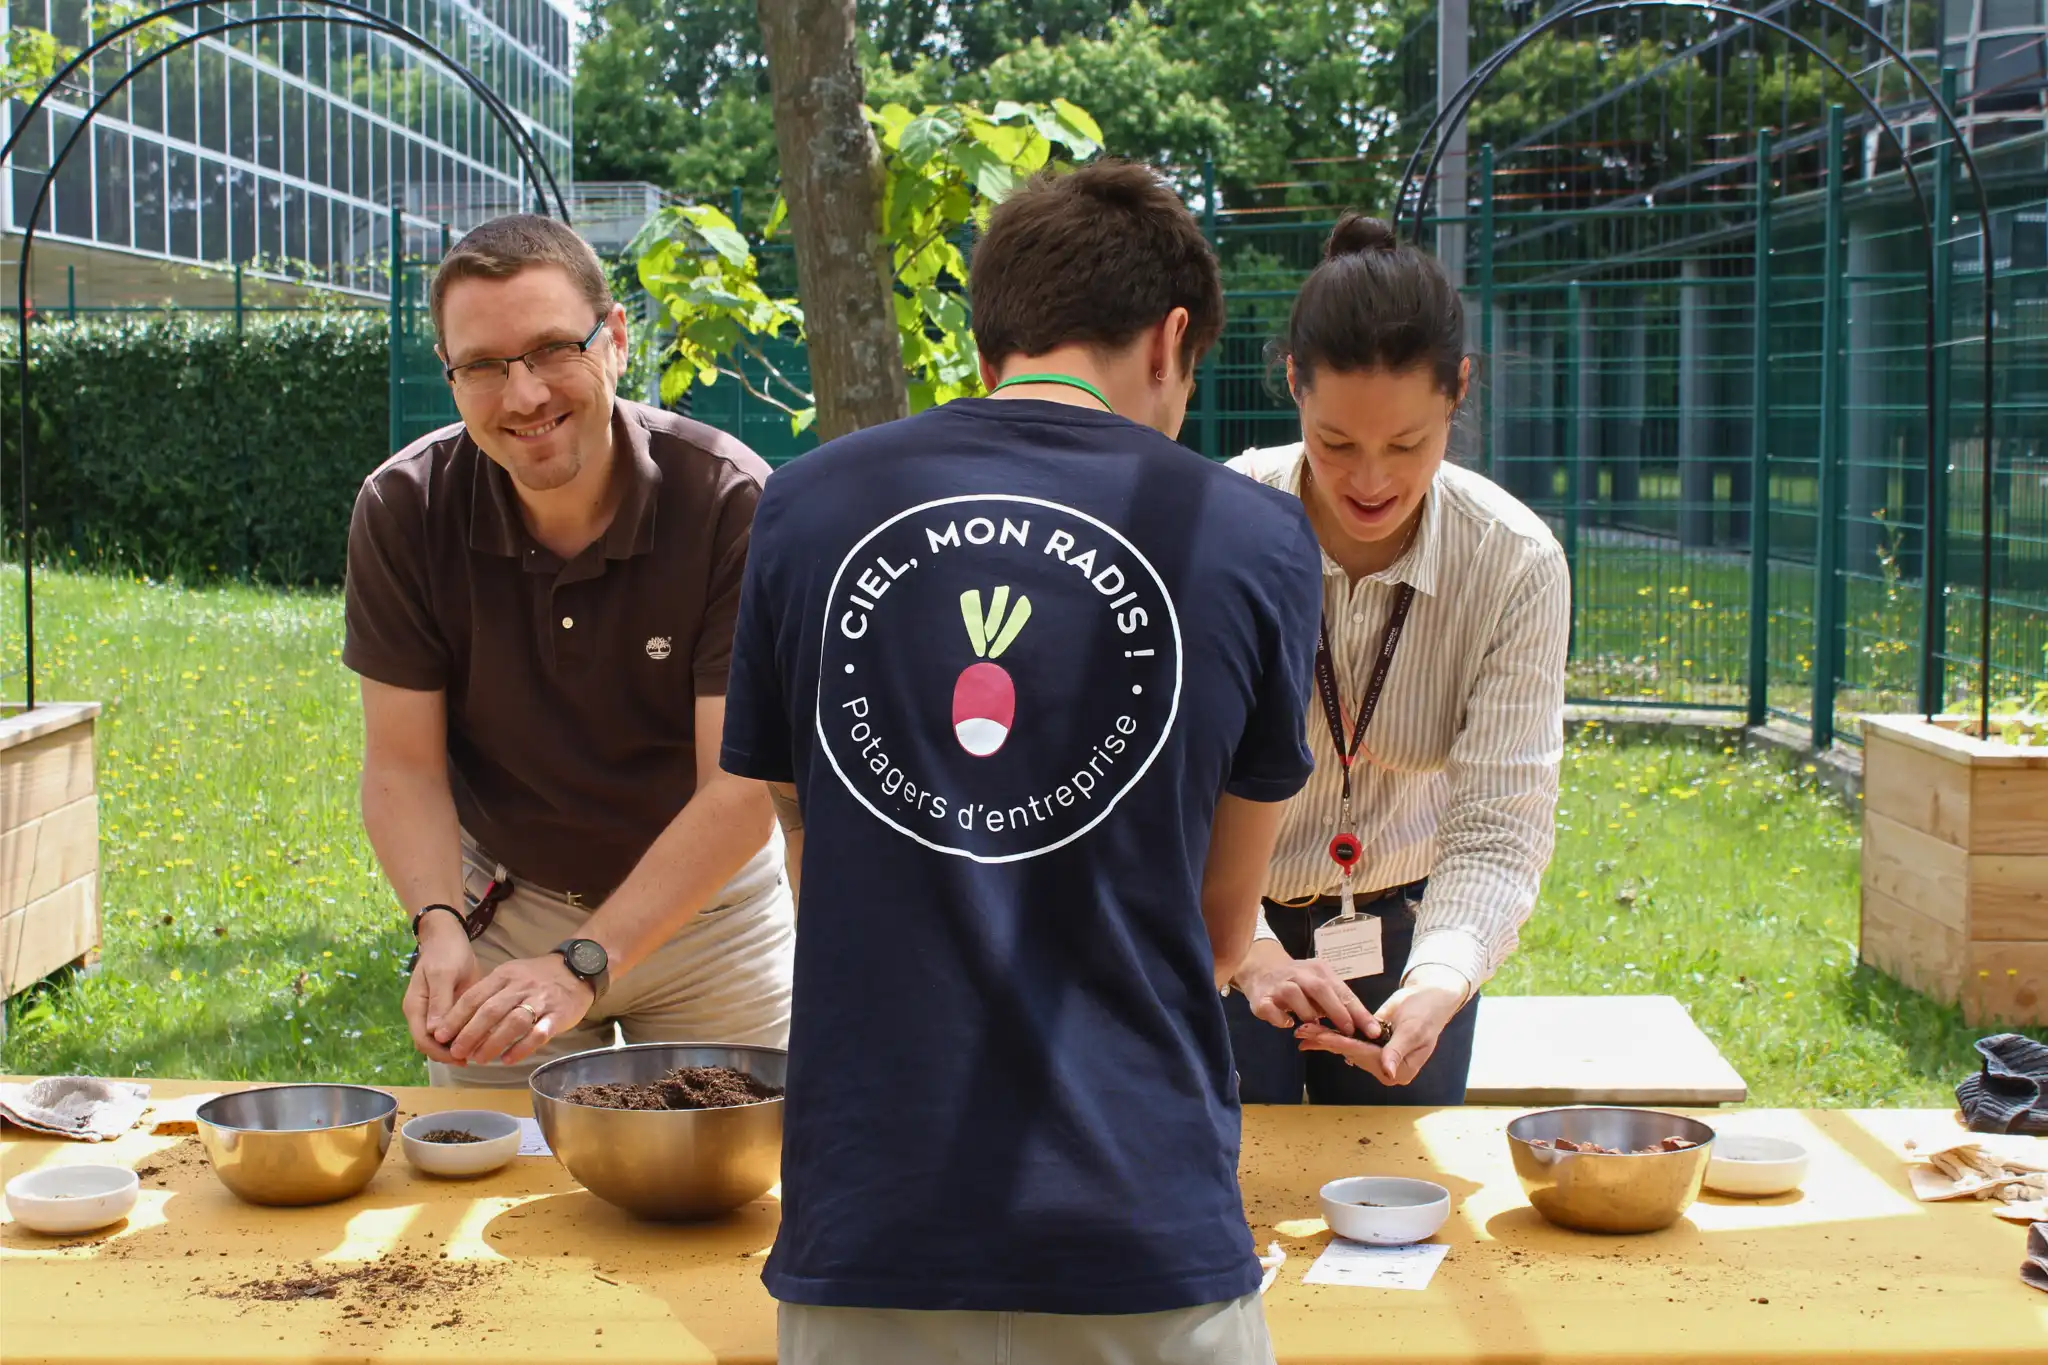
(249,934)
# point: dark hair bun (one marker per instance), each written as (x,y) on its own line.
(1358,235)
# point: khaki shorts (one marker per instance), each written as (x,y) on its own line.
(723,978)
(1228,1333)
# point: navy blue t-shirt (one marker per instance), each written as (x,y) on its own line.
(1011,654)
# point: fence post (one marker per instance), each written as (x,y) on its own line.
(1827,616)
(238,300)
(1215,357)
(71,291)
(1934,570)
(1574,326)
(396,280)
(1760,446)
(1486,304)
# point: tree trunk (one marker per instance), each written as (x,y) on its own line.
(832,176)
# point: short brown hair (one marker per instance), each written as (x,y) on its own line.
(1093,256)
(502,247)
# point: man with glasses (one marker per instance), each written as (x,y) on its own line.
(540,606)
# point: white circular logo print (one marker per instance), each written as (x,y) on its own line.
(997,673)
(658,647)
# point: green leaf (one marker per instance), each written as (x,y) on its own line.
(1007,142)
(986,169)
(717,232)
(801,420)
(1009,109)
(926,137)
(777,216)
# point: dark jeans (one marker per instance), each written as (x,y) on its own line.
(1272,1068)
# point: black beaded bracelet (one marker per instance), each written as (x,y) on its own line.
(426,910)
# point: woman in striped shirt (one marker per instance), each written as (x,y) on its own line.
(1438,724)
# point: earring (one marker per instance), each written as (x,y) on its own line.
(1159,376)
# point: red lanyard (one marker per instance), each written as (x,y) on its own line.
(1326,684)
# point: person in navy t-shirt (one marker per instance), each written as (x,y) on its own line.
(1030,681)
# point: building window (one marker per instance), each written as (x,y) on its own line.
(110,184)
(149,195)
(213,210)
(185,205)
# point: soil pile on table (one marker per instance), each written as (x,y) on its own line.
(688,1087)
(378,1291)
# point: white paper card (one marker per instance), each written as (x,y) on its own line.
(1354,1263)
(1351,947)
(531,1143)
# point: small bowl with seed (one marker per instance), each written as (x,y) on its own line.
(460,1143)
(1385,1211)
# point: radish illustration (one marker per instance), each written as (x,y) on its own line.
(984,699)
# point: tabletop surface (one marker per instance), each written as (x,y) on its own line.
(1596,1049)
(539,1270)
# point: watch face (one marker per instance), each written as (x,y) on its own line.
(586,957)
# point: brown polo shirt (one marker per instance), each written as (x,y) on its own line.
(571,686)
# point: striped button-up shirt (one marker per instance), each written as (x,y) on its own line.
(1457,777)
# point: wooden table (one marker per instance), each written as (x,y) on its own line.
(1638,1050)
(1853,1270)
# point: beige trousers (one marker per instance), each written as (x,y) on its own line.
(723,978)
(1228,1333)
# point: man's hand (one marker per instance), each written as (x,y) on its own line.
(510,1014)
(1417,1013)
(447,967)
(1287,992)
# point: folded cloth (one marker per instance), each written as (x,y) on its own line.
(2035,1271)
(2010,1093)
(83,1107)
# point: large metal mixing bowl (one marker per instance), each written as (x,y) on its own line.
(665,1163)
(1595,1193)
(297,1144)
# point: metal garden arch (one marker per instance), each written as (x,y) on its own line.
(339,12)
(1414,191)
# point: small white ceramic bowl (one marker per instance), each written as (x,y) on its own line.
(1755,1166)
(66,1199)
(500,1134)
(1385,1211)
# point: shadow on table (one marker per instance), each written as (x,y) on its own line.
(707,1276)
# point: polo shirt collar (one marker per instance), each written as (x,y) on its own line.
(496,525)
(1418,565)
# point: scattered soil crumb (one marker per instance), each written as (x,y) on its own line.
(690,1087)
(379,1293)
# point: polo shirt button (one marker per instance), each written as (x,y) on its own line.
(1329,820)
(1357,618)
(568,623)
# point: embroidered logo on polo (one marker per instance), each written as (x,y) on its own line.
(658,646)
(998,672)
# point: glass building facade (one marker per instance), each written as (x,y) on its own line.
(285,149)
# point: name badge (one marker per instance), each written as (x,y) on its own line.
(1351,947)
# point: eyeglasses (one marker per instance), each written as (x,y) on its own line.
(556,360)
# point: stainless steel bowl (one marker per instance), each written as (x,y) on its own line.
(297,1144)
(667,1164)
(1595,1193)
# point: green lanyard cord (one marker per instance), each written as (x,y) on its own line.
(1066,379)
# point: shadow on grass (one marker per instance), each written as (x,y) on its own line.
(1936,1043)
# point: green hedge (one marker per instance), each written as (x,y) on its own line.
(170,445)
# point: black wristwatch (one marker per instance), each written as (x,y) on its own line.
(587,962)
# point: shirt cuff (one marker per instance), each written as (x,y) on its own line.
(1262,931)
(1462,952)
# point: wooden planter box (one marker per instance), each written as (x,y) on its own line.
(1955,867)
(49,843)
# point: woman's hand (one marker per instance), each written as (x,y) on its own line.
(1287,992)
(1428,999)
